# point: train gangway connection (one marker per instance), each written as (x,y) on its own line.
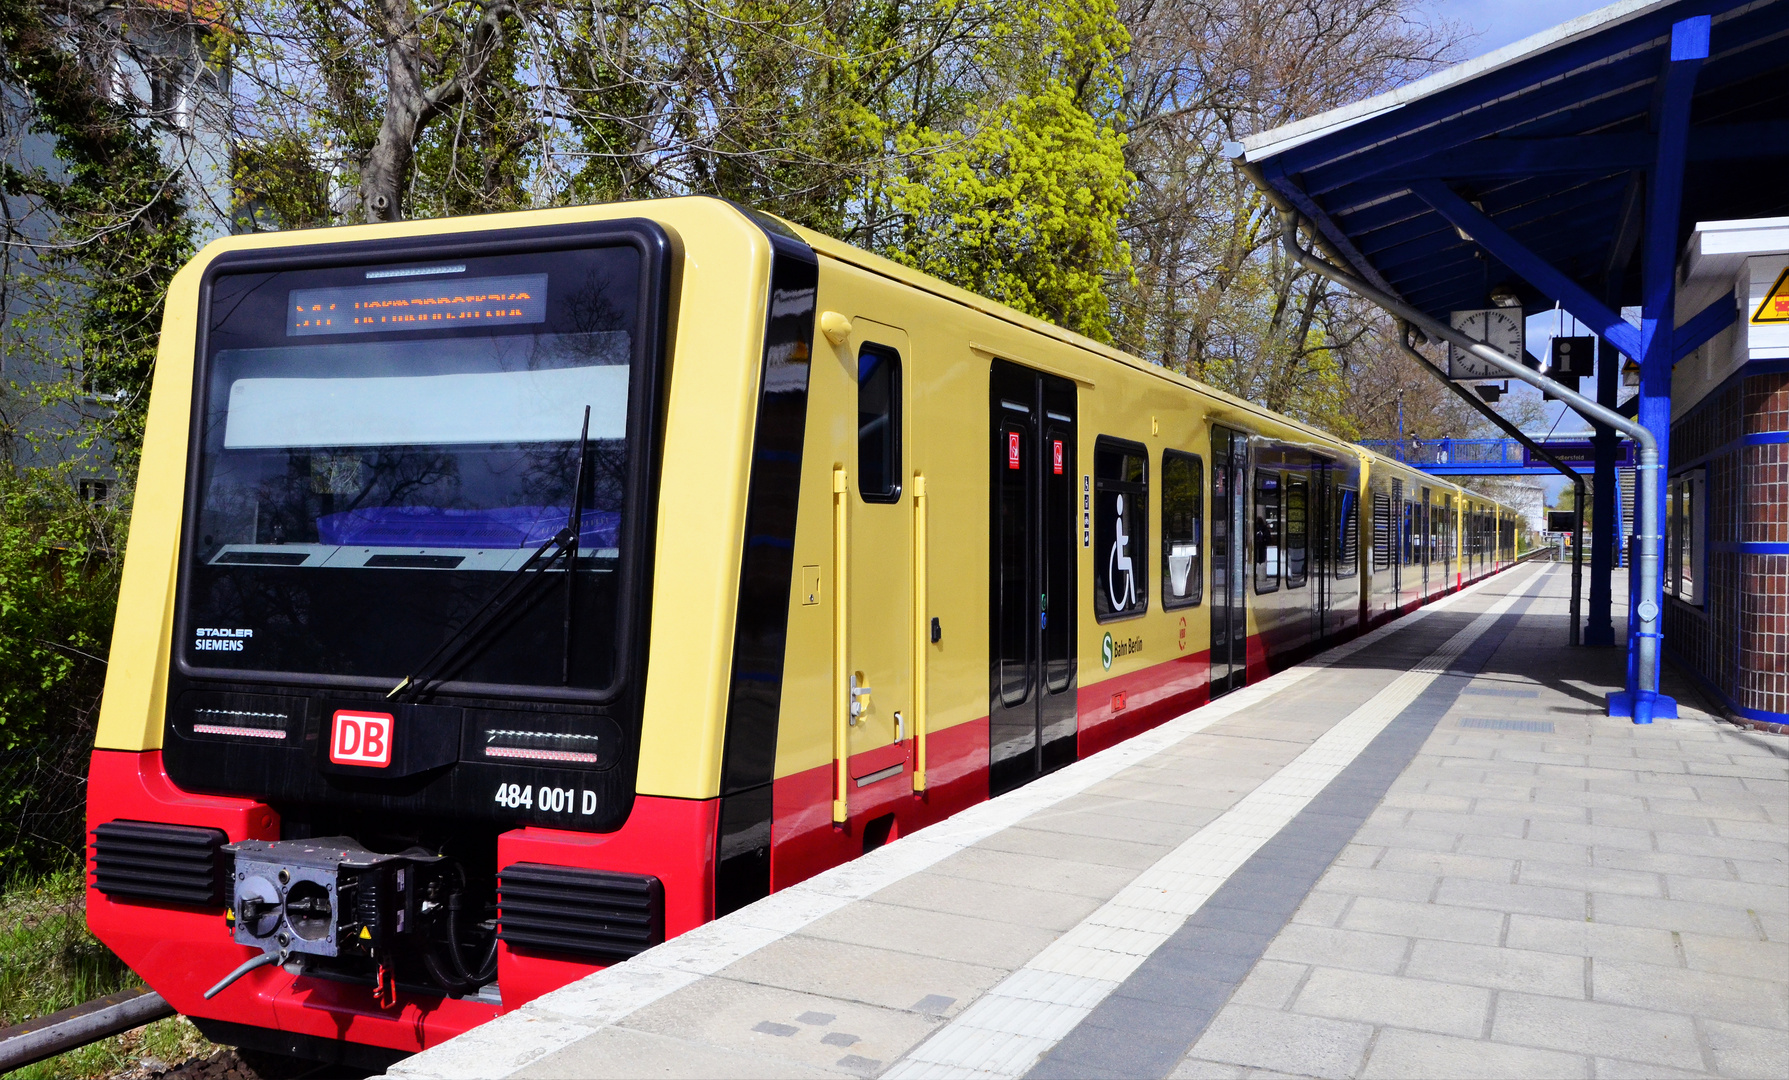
(1426,852)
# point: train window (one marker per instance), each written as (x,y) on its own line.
(879,424)
(1120,529)
(364,485)
(1382,540)
(1347,532)
(1298,491)
(1183,493)
(1408,534)
(1269,530)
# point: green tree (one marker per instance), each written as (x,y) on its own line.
(1020,198)
(58,590)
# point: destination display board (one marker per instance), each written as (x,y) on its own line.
(417,305)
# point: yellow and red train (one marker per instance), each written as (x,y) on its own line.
(505,595)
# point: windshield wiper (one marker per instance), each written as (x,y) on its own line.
(563,545)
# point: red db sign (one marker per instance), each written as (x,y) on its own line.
(1058,457)
(361,738)
(1012,449)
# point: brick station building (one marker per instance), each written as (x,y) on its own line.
(1727,539)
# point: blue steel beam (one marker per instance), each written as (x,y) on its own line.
(1560,224)
(1559,81)
(1586,308)
(1703,325)
(1578,62)
(1497,156)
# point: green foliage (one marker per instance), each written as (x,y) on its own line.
(121,229)
(480,157)
(58,589)
(1020,198)
(48,961)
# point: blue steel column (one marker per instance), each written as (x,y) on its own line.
(1658,327)
(1599,630)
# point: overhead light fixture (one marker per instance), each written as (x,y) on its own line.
(1505,297)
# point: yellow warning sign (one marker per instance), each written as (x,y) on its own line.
(1775,308)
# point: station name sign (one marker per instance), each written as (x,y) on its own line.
(1582,452)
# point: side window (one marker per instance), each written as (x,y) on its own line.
(1684,540)
(1120,529)
(1297,530)
(1183,492)
(1409,533)
(1347,532)
(879,424)
(1381,531)
(1268,529)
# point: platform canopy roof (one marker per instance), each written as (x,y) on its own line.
(1553,138)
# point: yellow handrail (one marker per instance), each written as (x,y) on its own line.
(841,685)
(921,634)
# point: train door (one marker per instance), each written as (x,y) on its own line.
(1320,544)
(1229,560)
(1036,517)
(880,634)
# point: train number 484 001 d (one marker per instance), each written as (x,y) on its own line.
(546,799)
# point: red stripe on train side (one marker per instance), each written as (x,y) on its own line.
(1114,709)
(804,840)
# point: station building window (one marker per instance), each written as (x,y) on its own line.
(1183,492)
(1269,530)
(1685,540)
(1120,529)
(879,424)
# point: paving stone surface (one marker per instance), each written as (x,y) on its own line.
(1492,879)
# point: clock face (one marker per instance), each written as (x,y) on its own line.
(1500,328)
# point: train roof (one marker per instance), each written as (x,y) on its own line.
(835,248)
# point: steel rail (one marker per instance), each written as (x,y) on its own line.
(57,1032)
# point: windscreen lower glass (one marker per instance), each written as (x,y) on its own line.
(384,448)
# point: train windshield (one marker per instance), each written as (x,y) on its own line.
(381,448)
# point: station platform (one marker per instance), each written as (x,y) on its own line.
(1424,853)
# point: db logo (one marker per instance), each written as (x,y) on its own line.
(361,738)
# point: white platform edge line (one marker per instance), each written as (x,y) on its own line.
(503,1046)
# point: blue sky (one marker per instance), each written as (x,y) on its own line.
(1499,22)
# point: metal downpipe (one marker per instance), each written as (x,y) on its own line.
(1648,470)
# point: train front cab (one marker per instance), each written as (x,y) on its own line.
(226,718)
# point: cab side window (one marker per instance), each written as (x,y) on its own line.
(879,424)
(1120,529)
(1269,530)
(1183,492)
(1297,530)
